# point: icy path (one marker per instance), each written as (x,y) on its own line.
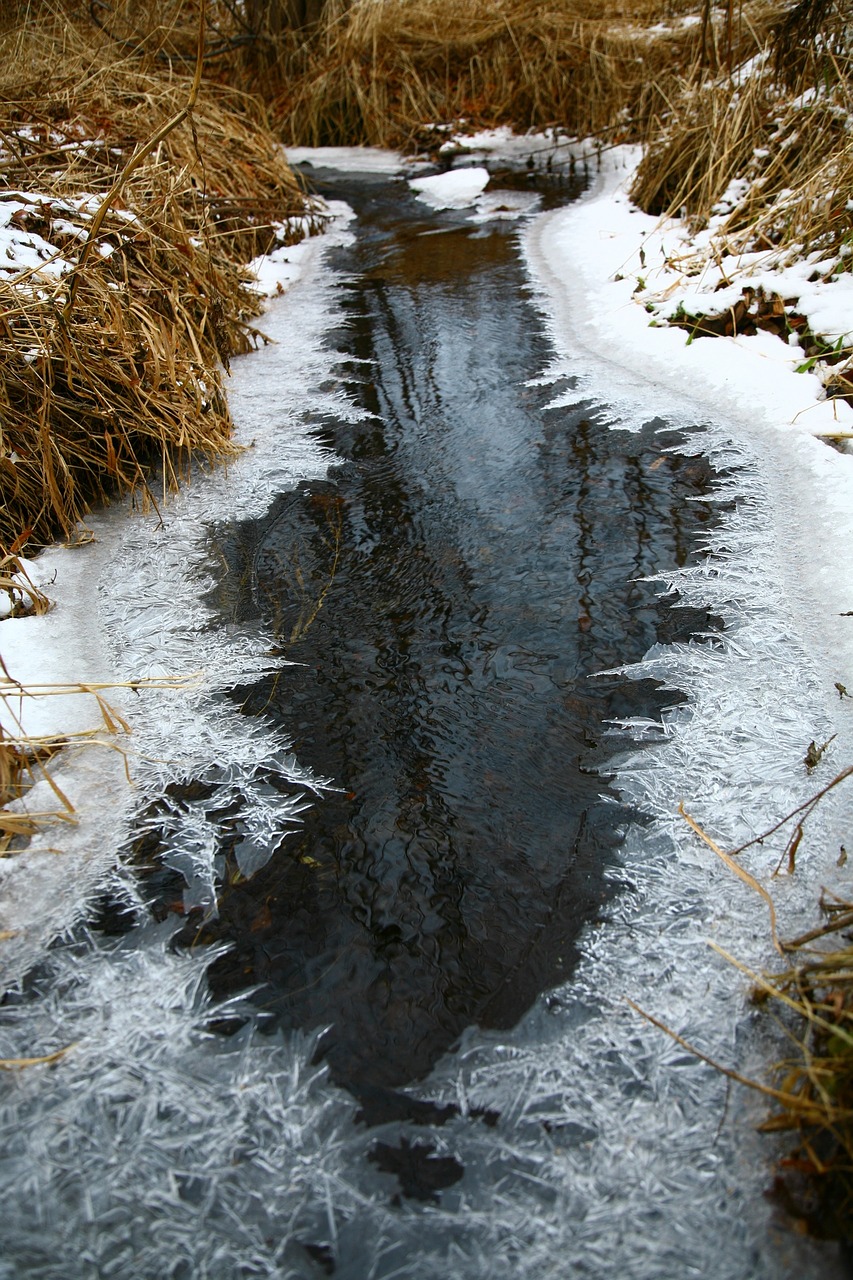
(157,1150)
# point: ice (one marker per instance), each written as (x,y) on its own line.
(348,159)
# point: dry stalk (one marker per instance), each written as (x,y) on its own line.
(791,152)
(379,73)
(813,1095)
(25,757)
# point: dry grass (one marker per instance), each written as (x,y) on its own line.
(25,757)
(377,73)
(794,157)
(22,594)
(767,159)
(816,1177)
(785,136)
(131,377)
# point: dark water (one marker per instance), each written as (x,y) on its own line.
(447,594)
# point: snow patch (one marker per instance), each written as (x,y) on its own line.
(348,159)
(455,189)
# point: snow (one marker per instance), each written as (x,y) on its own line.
(23,251)
(27,254)
(465,188)
(348,159)
(279,270)
(452,190)
(623,261)
(534,149)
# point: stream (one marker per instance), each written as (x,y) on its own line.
(352,1005)
(446,595)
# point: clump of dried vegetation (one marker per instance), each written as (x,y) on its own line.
(97,388)
(815,1182)
(782,126)
(361,72)
(768,149)
(812,1090)
(377,73)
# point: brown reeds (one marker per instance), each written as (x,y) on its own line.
(25,756)
(377,73)
(816,1176)
(786,137)
(22,595)
(92,397)
(766,157)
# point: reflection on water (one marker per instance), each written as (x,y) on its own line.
(447,594)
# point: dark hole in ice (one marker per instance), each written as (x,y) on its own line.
(420,1173)
(323,1255)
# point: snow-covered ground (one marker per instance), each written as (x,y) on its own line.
(151,1148)
(587,260)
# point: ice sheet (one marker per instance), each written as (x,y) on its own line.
(129,606)
(348,159)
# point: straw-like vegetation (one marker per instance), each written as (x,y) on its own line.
(811,1091)
(91,395)
(813,1088)
(765,157)
(815,1182)
(22,596)
(358,71)
(378,73)
(25,757)
(790,143)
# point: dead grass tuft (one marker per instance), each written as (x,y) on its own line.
(377,73)
(816,1177)
(811,1090)
(792,156)
(92,397)
(25,757)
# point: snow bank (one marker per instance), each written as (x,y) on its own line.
(587,259)
(279,270)
(619,256)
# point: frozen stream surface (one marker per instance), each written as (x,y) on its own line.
(474,612)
